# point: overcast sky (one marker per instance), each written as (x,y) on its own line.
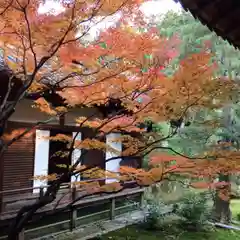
(152,7)
(155,7)
(160,7)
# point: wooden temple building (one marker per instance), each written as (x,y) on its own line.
(31,155)
(34,155)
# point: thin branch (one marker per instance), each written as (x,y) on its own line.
(7,7)
(75,74)
(174,151)
(30,36)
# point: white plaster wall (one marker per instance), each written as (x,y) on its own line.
(113,165)
(76,154)
(41,157)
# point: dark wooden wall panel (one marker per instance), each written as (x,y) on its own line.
(93,156)
(136,161)
(55,159)
(18,161)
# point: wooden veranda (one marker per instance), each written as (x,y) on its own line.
(88,209)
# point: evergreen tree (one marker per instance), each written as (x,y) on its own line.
(194,36)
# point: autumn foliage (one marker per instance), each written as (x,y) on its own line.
(48,51)
(126,62)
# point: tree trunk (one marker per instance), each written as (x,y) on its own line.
(221,208)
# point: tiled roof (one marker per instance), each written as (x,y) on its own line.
(220,16)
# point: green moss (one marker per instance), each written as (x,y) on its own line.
(136,233)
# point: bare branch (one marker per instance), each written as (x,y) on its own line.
(7,7)
(30,35)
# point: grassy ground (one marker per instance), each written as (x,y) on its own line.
(235,208)
(136,233)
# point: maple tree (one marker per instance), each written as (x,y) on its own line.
(123,65)
(207,127)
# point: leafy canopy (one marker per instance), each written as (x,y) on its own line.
(49,52)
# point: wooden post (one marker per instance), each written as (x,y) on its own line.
(112,209)
(62,120)
(141,199)
(73,212)
(41,193)
(21,235)
(2,207)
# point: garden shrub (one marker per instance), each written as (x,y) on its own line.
(152,214)
(194,211)
(156,212)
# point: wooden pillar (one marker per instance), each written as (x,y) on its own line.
(62,120)
(112,209)
(41,192)
(141,199)
(73,212)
